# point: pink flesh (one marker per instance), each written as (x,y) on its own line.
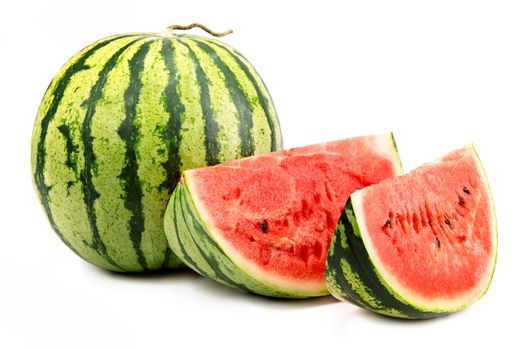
(295,196)
(428,231)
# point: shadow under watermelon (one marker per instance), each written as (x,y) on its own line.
(184,275)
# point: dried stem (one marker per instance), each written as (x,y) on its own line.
(198,25)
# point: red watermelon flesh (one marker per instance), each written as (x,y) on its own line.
(432,232)
(277,212)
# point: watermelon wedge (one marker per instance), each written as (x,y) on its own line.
(420,245)
(264,223)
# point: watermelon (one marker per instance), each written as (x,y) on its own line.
(264,223)
(119,123)
(420,245)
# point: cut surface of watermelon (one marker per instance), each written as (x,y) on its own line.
(264,223)
(418,245)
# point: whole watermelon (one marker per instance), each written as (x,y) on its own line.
(119,123)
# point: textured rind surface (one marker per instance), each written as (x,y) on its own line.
(196,243)
(190,239)
(352,277)
(119,123)
(352,274)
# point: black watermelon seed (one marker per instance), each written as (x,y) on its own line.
(448,222)
(438,241)
(466,191)
(388,223)
(264,226)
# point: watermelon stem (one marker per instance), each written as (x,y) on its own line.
(198,25)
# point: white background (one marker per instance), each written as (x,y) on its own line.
(439,74)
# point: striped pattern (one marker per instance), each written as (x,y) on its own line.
(190,239)
(211,228)
(120,122)
(351,275)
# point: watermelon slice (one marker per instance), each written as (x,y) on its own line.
(264,223)
(420,245)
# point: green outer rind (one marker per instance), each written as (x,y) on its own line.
(146,93)
(352,276)
(191,240)
(397,154)
(494,212)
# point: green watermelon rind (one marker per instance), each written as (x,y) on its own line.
(119,123)
(370,287)
(352,277)
(495,221)
(193,242)
(396,155)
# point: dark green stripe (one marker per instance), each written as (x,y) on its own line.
(194,244)
(241,101)
(90,193)
(183,254)
(129,133)
(168,255)
(175,109)
(57,95)
(202,233)
(71,148)
(363,267)
(334,266)
(72,153)
(182,203)
(264,101)
(211,125)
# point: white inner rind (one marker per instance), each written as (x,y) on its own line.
(403,292)
(383,144)
(299,287)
